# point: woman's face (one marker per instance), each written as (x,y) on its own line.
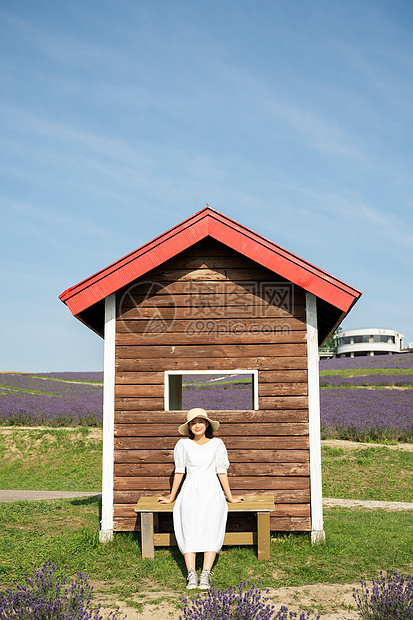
(198,426)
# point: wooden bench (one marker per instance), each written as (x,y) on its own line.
(262,505)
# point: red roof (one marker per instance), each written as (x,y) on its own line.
(210,223)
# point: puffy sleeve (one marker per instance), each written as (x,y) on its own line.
(179,457)
(221,458)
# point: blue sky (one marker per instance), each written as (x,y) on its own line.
(121,119)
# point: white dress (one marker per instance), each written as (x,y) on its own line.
(200,511)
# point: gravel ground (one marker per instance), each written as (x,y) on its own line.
(18,495)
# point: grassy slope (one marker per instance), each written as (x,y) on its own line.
(61,459)
(55,459)
(373,473)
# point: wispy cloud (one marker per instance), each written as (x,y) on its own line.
(321,135)
(67,49)
(385,73)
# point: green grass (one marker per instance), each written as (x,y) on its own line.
(50,459)
(358,387)
(70,460)
(359,544)
(17,391)
(375,473)
(82,381)
(355,372)
(213,386)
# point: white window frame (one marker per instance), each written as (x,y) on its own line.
(169,373)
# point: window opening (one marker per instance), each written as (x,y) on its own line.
(214,391)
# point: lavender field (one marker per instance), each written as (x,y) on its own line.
(401,361)
(371,381)
(53,399)
(217,392)
(359,405)
(362,399)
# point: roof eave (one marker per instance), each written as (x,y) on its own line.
(209,222)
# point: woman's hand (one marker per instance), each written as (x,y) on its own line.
(165,500)
(237,499)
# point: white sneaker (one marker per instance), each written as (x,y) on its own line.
(204,580)
(192,580)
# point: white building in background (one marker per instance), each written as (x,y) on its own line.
(357,342)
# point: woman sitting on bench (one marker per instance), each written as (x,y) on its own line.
(200,511)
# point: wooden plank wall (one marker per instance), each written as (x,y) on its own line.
(221,312)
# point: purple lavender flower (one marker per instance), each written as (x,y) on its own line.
(217,392)
(32,400)
(390,597)
(367,380)
(400,360)
(47,596)
(367,415)
(243,603)
(219,399)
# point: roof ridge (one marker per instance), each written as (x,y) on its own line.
(212,223)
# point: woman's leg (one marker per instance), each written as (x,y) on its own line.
(190,559)
(192,579)
(209,559)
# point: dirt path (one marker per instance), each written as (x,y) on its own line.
(332,602)
(356,445)
(93,434)
(331,502)
(18,495)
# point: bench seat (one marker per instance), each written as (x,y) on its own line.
(261,505)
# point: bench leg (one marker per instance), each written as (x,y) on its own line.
(263,535)
(148,552)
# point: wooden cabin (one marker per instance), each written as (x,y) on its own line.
(211,296)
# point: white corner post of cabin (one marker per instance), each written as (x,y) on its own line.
(317,526)
(106,524)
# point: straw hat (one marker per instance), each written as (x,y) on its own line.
(197,413)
